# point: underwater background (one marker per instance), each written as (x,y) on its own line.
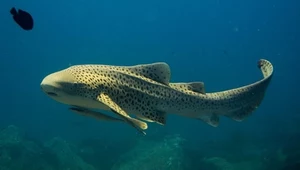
(215,41)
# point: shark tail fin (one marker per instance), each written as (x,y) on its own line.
(242,113)
(253,94)
(266,68)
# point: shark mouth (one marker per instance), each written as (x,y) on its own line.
(52,94)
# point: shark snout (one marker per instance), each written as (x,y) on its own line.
(58,83)
(48,85)
(48,90)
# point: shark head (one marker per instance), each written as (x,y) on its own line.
(59,86)
(64,87)
(76,86)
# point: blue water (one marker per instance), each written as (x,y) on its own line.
(214,41)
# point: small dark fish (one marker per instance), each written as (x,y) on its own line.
(22,18)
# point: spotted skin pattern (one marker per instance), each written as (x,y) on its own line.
(146,92)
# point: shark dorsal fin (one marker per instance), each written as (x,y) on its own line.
(159,72)
(197,87)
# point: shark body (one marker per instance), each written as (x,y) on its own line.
(146,92)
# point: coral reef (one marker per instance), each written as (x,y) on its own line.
(145,153)
(150,155)
(67,157)
(223,164)
(17,153)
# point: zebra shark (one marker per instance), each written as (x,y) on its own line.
(145,91)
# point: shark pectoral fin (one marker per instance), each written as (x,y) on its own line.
(197,87)
(154,116)
(115,108)
(211,119)
(94,114)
